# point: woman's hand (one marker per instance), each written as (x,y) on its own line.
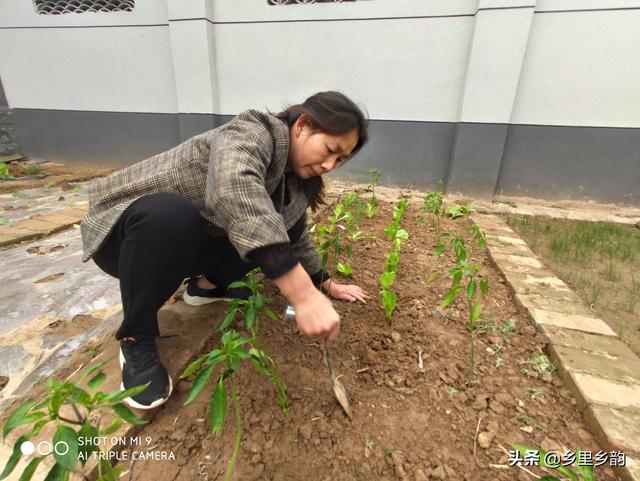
(345,292)
(315,314)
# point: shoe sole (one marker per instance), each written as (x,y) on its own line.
(201,301)
(132,403)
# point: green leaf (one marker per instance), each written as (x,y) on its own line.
(387,279)
(250,317)
(96,381)
(67,439)
(38,426)
(117,396)
(57,473)
(259,301)
(228,319)
(87,433)
(345,269)
(471,289)
(193,367)
(199,383)
(450,296)
(113,427)
(94,368)
(440,248)
(401,234)
(20,417)
(56,400)
(218,407)
(389,302)
(548,478)
(484,286)
(125,413)
(14,458)
(272,315)
(27,474)
(80,396)
(475,312)
(237,285)
(567,472)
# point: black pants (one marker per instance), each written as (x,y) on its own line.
(159,241)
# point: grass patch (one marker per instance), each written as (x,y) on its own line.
(600,260)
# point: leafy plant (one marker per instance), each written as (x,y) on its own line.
(581,473)
(460,210)
(4,172)
(233,350)
(32,169)
(387,278)
(466,275)
(370,207)
(87,405)
(541,364)
(433,205)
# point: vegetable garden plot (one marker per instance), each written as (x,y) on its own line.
(419,410)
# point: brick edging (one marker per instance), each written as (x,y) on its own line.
(600,369)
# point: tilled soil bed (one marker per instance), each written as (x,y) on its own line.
(408,423)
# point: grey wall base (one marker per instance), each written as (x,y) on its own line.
(553,162)
(8,139)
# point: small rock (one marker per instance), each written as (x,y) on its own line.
(479,403)
(367,452)
(420,475)
(397,465)
(305,432)
(438,473)
(395,335)
(496,407)
(547,377)
(549,444)
(484,439)
(527,429)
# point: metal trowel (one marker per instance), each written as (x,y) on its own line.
(339,391)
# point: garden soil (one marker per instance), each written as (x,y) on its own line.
(408,422)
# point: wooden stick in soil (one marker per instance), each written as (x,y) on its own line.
(475,438)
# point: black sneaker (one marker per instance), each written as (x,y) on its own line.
(196,296)
(140,364)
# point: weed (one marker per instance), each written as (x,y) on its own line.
(389,451)
(541,364)
(89,407)
(4,220)
(50,184)
(368,444)
(17,194)
(535,391)
(529,420)
(596,290)
(4,172)
(76,190)
(32,169)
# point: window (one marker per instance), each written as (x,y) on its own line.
(57,7)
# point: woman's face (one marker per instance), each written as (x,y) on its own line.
(312,152)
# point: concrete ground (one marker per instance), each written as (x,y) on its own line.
(53,303)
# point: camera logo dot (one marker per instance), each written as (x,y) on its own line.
(27,448)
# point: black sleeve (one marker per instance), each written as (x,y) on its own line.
(274,260)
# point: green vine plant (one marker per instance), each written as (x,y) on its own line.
(79,433)
(234,349)
(466,276)
(370,207)
(388,277)
(581,473)
(4,172)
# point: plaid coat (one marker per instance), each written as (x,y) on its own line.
(233,174)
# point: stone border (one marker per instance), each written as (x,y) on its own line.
(600,370)
(40,225)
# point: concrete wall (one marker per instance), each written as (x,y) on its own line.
(490,96)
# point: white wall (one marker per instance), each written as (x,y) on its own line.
(581,68)
(92,61)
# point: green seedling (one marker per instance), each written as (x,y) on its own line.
(433,206)
(89,407)
(50,184)
(4,220)
(460,210)
(370,207)
(76,190)
(387,278)
(466,276)
(233,350)
(582,472)
(4,172)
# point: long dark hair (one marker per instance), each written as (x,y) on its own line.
(332,113)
